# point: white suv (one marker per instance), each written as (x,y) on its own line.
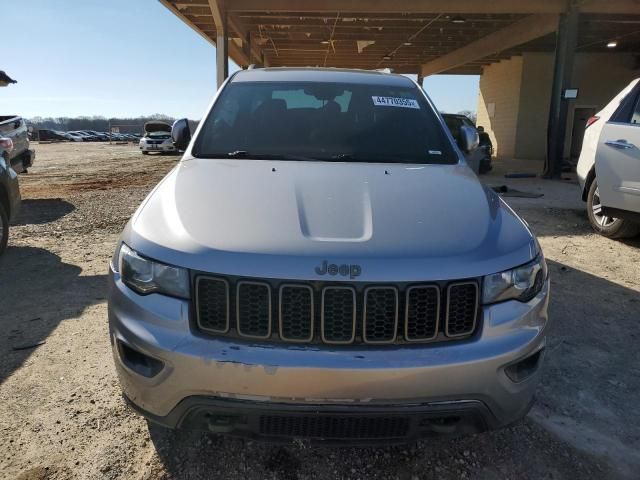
(609,166)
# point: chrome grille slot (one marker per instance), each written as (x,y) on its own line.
(296,313)
(212,297)
(462,309)
(422,313)
(253,309)
(338,320)
(380,315)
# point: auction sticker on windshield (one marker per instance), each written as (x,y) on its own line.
(395,102)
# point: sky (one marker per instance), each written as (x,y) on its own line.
(127,58)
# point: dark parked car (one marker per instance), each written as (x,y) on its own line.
(46,135)
(9,190)
(479,159)
(103,137)
(86,137)
(93,136)
(19,157)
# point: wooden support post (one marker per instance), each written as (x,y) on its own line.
(566,41)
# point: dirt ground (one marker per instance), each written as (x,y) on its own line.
(62,417)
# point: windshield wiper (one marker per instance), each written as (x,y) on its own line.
(237,153)
(342,156)
(258,156)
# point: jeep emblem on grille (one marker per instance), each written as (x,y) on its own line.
(352,271)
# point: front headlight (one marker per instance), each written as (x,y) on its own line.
(146,276)
(522,283)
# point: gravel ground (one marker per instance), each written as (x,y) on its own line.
(61,415)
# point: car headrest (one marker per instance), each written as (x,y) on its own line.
(271,107)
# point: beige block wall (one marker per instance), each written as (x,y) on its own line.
(500,85)
(535,98)
(598,76)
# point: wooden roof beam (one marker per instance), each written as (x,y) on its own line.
(435,6)
(522,31)
(173,9)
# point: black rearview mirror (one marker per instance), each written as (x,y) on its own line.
(180,134)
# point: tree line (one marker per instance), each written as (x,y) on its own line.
(98,123)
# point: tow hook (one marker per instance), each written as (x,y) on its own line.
(221,423)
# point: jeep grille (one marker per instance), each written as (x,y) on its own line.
(319,312)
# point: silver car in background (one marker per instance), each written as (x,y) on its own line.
(322,264)
(157,138)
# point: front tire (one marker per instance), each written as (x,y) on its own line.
(145,152)
(4,229)
(606,226)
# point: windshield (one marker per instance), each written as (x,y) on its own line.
(324,121)
(158,134)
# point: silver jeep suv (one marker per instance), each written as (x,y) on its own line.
(322,264)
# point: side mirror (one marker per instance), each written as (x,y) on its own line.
(180,134)
(469,139)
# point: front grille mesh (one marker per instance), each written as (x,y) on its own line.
(380,315)
(334,426)
(296,313)
(423,310)
(336,314)
(462,307)
(213,298)
(254,309)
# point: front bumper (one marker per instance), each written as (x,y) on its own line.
(328,424)
(161,147)
(203,377)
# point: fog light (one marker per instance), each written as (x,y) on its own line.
(139,362)
(523,369)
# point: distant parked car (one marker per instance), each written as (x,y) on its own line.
(116,137)
(45,134)
(157,138)
(74,137)
(100,135)
(92,136)
(85,136)
(609,166)
(475,157)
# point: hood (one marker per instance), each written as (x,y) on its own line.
(157,126)
(282,219)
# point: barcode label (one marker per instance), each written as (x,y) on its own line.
(395,102)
